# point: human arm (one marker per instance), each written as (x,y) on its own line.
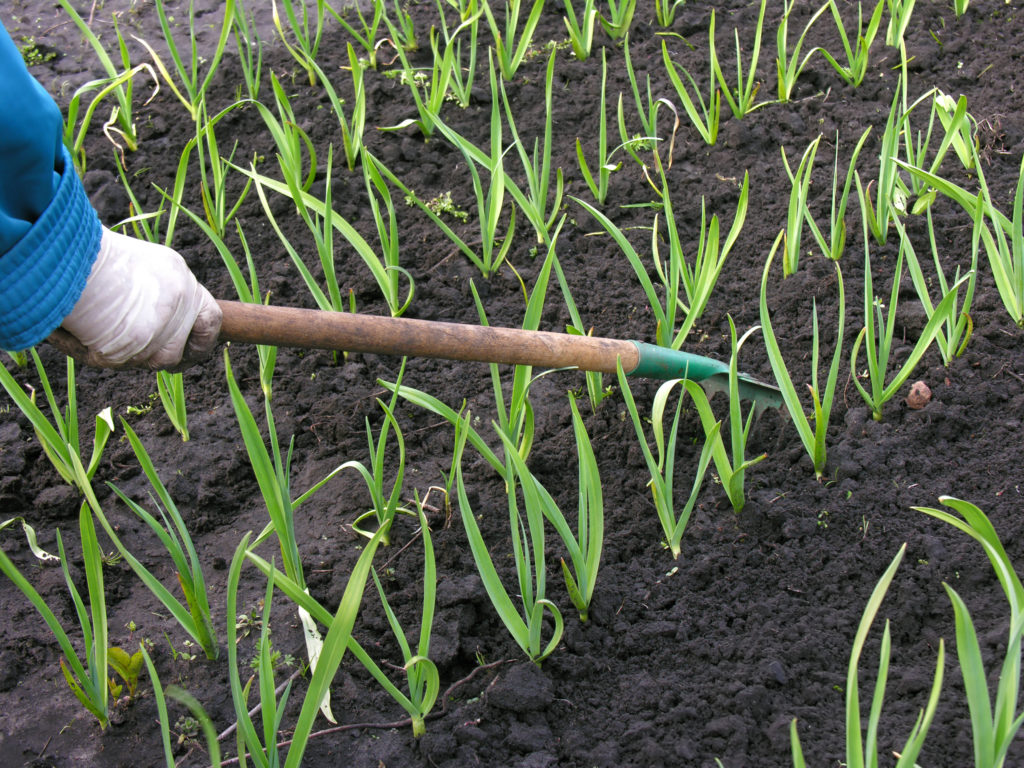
(131,303)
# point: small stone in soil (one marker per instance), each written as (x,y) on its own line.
(920,395)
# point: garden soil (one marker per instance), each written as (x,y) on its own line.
(683,662)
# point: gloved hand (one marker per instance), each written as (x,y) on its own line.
(143,308)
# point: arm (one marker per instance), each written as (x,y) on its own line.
(131,303)
(49,234)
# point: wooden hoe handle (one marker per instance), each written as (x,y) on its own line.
(343,331)
(314,329)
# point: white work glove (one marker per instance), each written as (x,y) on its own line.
(143,308)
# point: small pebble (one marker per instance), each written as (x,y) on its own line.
(919,396)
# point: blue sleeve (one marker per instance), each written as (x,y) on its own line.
(49,232)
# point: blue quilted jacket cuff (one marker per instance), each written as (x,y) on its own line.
(42,277)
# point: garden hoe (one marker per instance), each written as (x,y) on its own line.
(314,329)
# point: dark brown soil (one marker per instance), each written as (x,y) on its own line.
(710,656)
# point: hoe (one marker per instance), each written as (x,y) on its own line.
(314,329)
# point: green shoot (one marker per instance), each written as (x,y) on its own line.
(421,673)
(596,391)
(171,387)
(126,666)
(960,127)
(86,676)
(384,508)
(263,753)
(662,468)
(731,472)
(161,707)
(975,203)
(581,32)
(416,709)
(320,226)
(435,87)
(250,50)
(18,357)
(537,167)
(124,114)
(585,546)
(706,119)
(1006,259)
(213,172)
(465,8)
(617,20)
(337,640)
(856,67)
(320,218)
(697,281)
(316,611)
(665,11)
(956,328)
(490,199)
(960,135)
(59,439)
(861,748)
(461,7)
(353,126)
(91,691)
(273,475)
(510,49)
(305,44)
(604,167)
(192,93)
(788,64)
(528,551)
(647,110)
(75,129)
(461,81)
(879,330)
(272,472)
(290,141)
(899,18)
(386,220)
(800,185)
(515,414)
(366,33)
(812,437)
(994,725)
(194,616)
(832,247)
(891,197)
(740,100)
(148,226)
(403,34)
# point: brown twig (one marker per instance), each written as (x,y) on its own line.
(277,692)
(387,563)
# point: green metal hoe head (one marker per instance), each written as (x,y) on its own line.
(662,363)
